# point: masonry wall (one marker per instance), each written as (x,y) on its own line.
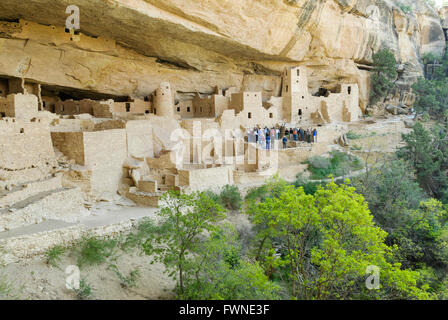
(70,107)
(105,153)
(163,101)
(211,106)
(137,106)
(203,179)
(204,107)
(71,144)
(49,103)
(140,138)
(19,106)
(3,88)
(4,106)
(103,109)
(299,106)
(185,109)
(24,145)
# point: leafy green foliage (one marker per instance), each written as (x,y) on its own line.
(257,194)
(85,290)
(338,164)
(218,272)
(308,187)
(129,281)
(53,255)
(231,197)
(184,218)
(94,251)
(353,135)
(427,151)
(416,225)
(383,75)
(405,8)
(144,229)
(324,243)
(432,91)
(390,189)
(431,97)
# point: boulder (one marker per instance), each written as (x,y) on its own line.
(409,123)
(396,110)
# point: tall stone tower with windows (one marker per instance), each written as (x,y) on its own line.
(163,103)
(295,94)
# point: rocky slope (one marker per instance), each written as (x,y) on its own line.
(127,47)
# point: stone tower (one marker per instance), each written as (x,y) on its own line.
(295,94)
(163,101)
(295,81)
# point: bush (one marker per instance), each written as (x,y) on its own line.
(231,197)
(85,290)
(144,230)
(405,8)
(257,194)
(53,255)
(308,187)
(338,164)
(129,281)
(353,135)
(226,275)
(215,197)
(94,251)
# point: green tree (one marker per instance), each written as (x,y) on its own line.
(218,271)
(326,241)
(432,91)
(230,197)
(390,188)
(431,97)
(427,151)
(184,218)
(383,75)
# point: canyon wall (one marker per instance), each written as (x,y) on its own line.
(127,47)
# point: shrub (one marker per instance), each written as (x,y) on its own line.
(257,193)
(129,281)
(94,251)
(53,255)
(231,197)
(405,8)
(144,230)
(85,290)
(308,187)
(338,164)
(215,197)
(353,135)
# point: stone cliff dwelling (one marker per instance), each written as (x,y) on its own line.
(131,147)
(62,147)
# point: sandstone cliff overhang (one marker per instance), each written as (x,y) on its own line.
(129,47)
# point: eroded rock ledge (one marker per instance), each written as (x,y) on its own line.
(127,47)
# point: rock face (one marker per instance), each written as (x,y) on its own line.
(126,48)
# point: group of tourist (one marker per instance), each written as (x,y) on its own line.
(266,137)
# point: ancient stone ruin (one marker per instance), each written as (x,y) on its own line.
(109,114)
